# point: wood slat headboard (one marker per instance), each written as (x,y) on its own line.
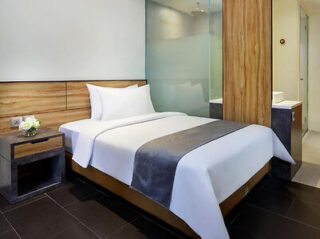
(53,103)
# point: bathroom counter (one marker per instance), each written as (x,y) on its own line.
(286,104)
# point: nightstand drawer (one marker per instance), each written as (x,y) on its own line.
(26,149)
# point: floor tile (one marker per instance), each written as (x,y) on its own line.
(142,229)
(308,174)
(235,212)
(236,233)
(4,225)
(74,190)
(163,224)
(75,230)
(6,206)
(102,214)
(296,230)
(153,219)
(9,235)
(273,202)
(311,147)
(305,212)
(292,189)
(39,219)
(260,223)
(318,184)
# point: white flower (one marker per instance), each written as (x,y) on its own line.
(25,125)
(30,122)
(36,124)
(30,119)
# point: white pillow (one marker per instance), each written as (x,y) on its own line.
(125,103)
(96,106)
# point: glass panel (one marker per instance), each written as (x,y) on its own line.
(178,55)
(216,49)
(304,68)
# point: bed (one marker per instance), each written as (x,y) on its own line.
(235,169)
(240,159)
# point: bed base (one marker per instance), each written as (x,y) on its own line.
(152,207)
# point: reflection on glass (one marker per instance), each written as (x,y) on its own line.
(216,80)
(178,55)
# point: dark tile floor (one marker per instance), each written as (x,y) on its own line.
(277,209)
(81,209)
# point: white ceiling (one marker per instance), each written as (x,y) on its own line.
(188,6)
(312,6)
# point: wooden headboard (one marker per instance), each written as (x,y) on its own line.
(53,103)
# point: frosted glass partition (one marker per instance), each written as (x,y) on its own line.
(178,55)
(216,80)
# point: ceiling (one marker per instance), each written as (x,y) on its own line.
(312,6)
(188,6)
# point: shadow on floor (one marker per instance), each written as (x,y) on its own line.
(81,209)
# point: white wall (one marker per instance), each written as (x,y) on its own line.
(314,72)
(72,39)
(286,22)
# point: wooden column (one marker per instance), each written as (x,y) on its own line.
(247,47)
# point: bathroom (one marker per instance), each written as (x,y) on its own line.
(296,84)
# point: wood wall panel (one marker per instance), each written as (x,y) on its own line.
(49,120)
(23,98)
(53,103)
(247,61)
(78,95)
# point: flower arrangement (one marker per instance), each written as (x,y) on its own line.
(29,127)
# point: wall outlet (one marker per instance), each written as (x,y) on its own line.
(15,121)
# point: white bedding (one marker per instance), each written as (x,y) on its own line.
(204,177)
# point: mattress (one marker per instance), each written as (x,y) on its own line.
(71,131)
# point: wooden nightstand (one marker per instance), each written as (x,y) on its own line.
(31,165)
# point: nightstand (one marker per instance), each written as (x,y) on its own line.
(31,165)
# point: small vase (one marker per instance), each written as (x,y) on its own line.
(29,133)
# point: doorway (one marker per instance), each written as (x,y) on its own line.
(303,89)
(309,172)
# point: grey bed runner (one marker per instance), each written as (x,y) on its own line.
(155,162)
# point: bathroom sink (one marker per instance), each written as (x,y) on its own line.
(277,97)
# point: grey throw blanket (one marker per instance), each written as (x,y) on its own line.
(156,161)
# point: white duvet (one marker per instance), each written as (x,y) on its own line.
(204,177)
